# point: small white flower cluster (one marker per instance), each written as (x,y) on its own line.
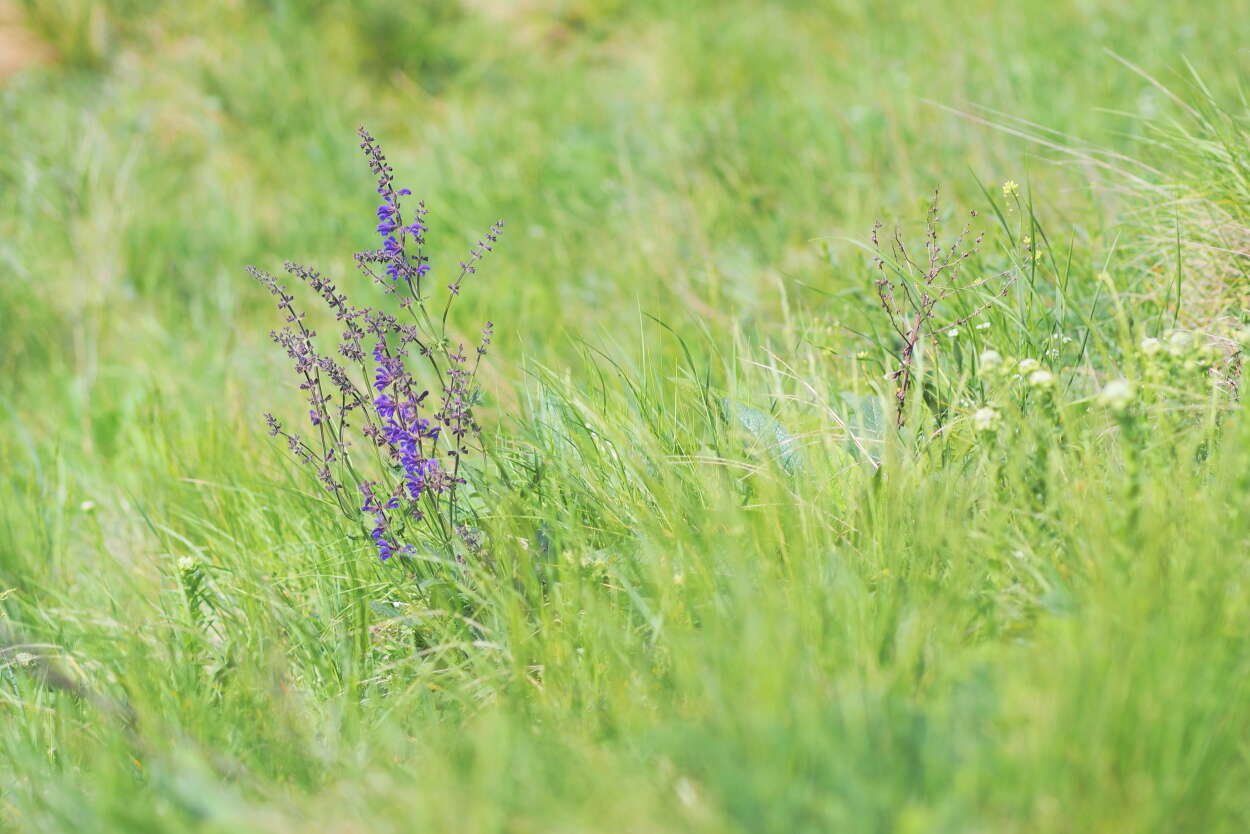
(999,369)
(1117,395)
(1028,369)
(1057,342)
(986,419)
(1182,349)
(954,332)
(1042,378)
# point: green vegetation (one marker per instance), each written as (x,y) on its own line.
(718,587)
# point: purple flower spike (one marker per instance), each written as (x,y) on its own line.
(386,548)
(374,421)
(385,406)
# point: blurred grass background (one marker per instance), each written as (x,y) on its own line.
(680,165)
(700,164)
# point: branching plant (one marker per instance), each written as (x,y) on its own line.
(912,290)
(376,431)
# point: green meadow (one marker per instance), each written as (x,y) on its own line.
(717,573)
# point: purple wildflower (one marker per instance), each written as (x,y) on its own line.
(386,547)
(410,441)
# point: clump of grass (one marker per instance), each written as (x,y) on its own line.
(1200,211)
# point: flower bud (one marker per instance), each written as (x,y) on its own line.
(1117,395)
(1178,341)
(986,419)
(1042,379)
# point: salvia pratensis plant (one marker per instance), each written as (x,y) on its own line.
(390,410)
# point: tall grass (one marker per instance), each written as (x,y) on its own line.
(716,589)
